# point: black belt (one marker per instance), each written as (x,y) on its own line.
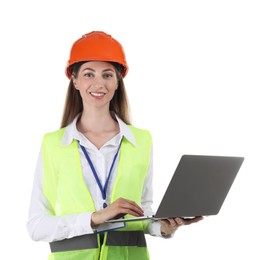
(90,241)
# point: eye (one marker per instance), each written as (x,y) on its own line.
(89,75)
(107,75)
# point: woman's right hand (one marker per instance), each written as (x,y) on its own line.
(117,209)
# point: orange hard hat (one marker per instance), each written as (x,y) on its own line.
(97,46)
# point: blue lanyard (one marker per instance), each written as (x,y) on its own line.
(102,189)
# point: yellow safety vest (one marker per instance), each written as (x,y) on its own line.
(67,193)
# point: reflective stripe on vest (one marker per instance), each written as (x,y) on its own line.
(114,238)
(76,243)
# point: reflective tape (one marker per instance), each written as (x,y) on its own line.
(126,238)
(114,238)
(75,243)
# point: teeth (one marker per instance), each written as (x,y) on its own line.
(97,94)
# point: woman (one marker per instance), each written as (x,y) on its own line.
(97,167)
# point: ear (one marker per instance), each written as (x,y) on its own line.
(74,82)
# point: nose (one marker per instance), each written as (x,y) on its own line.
(98,83)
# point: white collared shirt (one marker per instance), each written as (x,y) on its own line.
(43,226)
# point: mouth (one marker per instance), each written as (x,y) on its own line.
(97,94)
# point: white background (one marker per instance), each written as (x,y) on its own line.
(197,80)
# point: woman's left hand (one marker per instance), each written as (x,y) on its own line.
(170,225)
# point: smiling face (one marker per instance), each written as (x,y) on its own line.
(97,83)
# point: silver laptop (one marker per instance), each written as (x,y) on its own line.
(198,187)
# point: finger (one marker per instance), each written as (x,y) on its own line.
(125,206)
(164,222)
(193,220)
(172,222)
(179,221)
(134,204)
(132,210)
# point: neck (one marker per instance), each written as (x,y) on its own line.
(96,121)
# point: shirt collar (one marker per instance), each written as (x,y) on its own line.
(72,133)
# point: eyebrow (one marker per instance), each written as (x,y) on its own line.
(105,70)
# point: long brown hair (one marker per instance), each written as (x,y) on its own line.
(74,105)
